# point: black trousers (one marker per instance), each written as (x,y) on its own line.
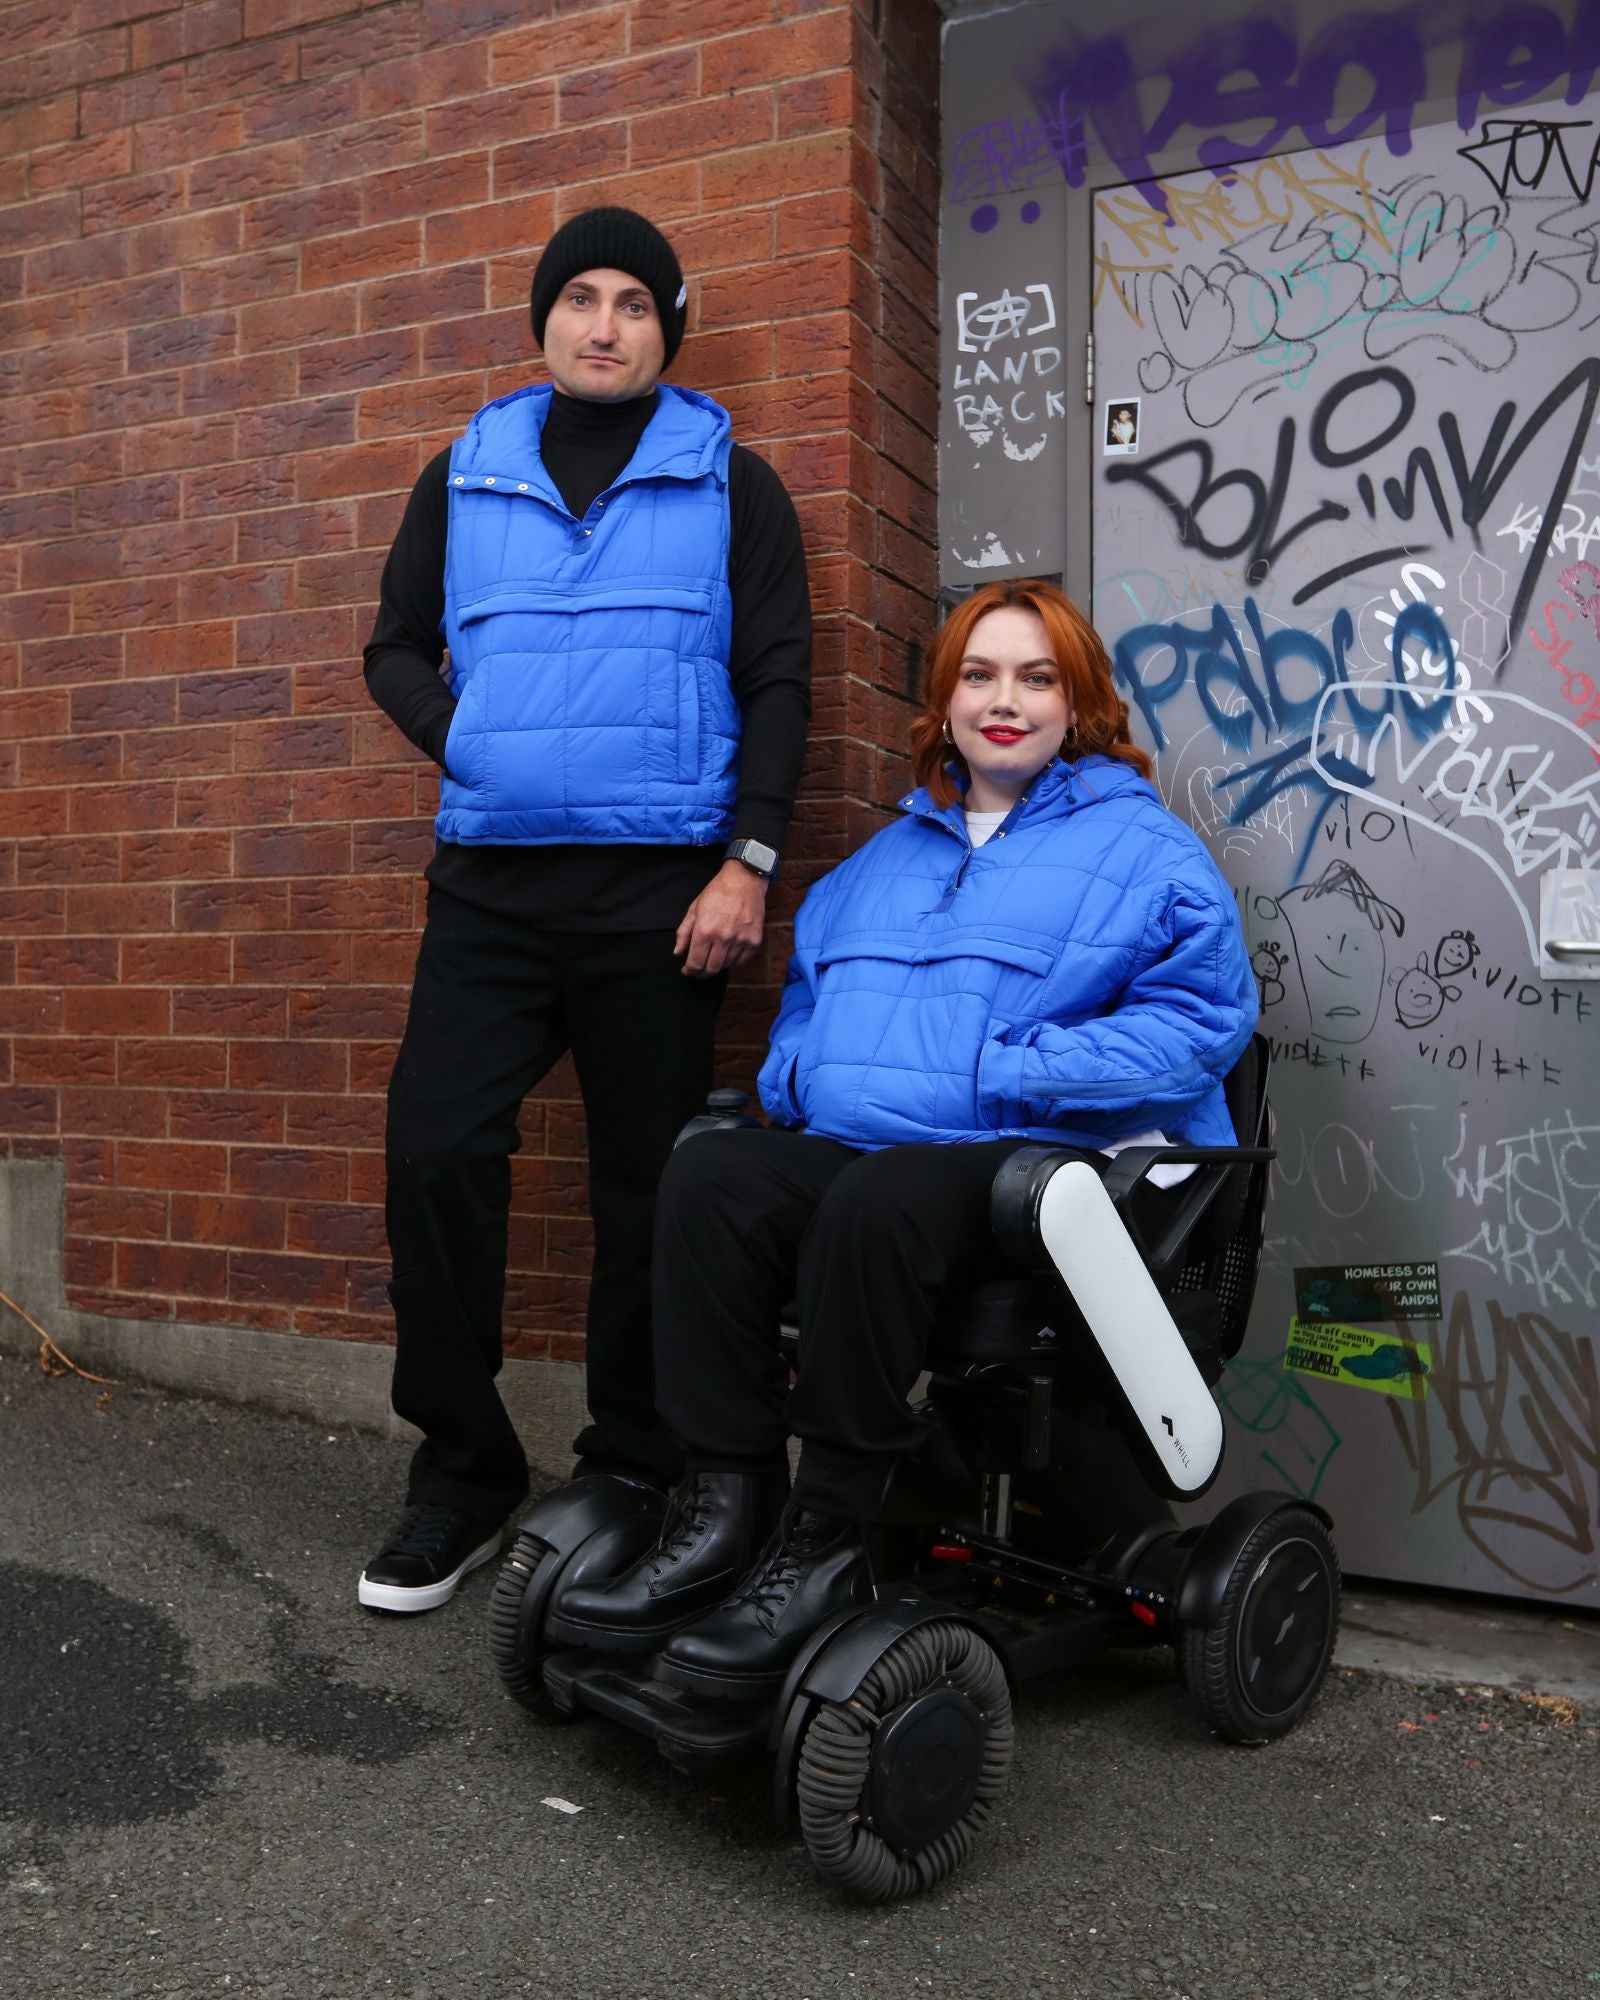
(867,1242)
(494,1005)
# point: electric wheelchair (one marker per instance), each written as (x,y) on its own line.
(1068,1401)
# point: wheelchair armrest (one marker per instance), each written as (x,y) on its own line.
(1131,1169)
(725,1112)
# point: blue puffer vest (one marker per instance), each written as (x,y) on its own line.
(589,659)
(1081,977)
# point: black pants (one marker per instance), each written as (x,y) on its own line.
(494,1005)
(868,1242)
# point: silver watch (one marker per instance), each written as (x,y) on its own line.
(757,857)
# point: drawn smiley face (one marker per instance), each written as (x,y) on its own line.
(1418,996)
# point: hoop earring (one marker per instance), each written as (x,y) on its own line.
(944,731)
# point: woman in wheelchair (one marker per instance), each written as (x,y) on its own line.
(1037,950)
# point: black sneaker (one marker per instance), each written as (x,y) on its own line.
(430,1551)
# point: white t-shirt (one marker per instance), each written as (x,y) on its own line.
(979,828)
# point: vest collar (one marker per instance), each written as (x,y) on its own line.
(685,439)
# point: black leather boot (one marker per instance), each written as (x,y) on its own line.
(715,1525)
(813,1568)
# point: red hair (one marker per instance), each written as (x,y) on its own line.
(1100,716)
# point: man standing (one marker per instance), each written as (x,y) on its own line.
(622,592)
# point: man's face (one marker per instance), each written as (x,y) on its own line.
(603,341)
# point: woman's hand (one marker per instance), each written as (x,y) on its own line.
(722,926)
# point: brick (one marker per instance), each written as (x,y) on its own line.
(343,1013)
(480,340)
(348,905)
(373,253)
(455,182)
(311,1120)
(234,385)
(228,74)
(261,1274)
(105,909)
(170,753)
(234,1222)
(442,404)
(231,281)
(356,364)
(95,1211)
(295,636)
(179,545)
(169,1268)
(191,441)
(231,906)
(27,1108)
(30,1010)
(193,134)
(692,131)
(235,593)
(495,118)
(48,220)
(121,808)
(286,532)
(170,856)
(124,705)
(70,761)
(459,69)
(248,175)
(298,1173)
(310,850)
(239,1116)
(287,1065)
(124,503)
(137,100)
(102,1111)
(99,158)
(182,240)
(58,858)
(231,801)
(171,1062)
(139,399)
(230,1010)
(587,36)
(41,123)
(293,957)
(168,961)
(508,224)
(558,160)
(306,212)
(303,744)
(175,1167)
(352,147)
(65,1059)
(180,649)
(335,1229)
(423,295)
(377,36)
(314,109)
(305,425)
(289,322)
(339,579)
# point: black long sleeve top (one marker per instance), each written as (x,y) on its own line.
(621,886)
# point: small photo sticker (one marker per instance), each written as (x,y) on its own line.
(1121,439)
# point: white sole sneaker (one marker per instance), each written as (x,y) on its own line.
(425,1596)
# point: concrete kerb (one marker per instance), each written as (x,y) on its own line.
(327,1381)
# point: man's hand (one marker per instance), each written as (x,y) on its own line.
(723,925)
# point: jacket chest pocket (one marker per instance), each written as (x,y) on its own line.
(618,666)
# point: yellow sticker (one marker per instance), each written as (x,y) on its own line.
(1361,1357)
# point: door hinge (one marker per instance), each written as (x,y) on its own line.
(1088,369)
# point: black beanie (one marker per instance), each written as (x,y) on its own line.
(612,239)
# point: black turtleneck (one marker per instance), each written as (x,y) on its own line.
(585,447)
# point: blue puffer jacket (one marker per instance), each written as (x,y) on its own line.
(589,659)
(1081,977)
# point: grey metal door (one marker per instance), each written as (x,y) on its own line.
(1346,547)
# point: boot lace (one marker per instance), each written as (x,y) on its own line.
(687,1520)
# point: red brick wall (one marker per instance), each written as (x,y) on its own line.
(258,260)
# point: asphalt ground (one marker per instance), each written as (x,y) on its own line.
(218,1776)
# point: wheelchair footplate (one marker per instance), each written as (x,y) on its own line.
(692,1735)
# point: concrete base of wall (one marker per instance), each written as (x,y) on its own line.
(327,1381)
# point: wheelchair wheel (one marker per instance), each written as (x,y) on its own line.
(1255,1671)
(894,1782)
(516,1620)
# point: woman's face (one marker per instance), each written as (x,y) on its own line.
(1010,708)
